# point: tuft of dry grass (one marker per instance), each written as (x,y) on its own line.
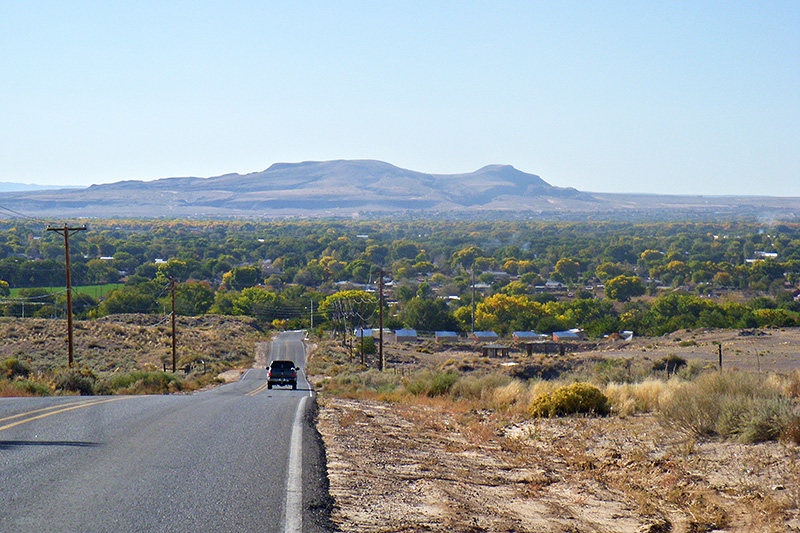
(644,397)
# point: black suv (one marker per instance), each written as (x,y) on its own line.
(282,373)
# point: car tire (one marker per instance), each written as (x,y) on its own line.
(294,386)
(269,385)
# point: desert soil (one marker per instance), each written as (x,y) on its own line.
(431,466)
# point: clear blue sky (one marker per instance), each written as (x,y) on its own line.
(659,97)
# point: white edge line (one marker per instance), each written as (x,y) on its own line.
(293,520)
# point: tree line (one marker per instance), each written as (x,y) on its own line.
(603,277)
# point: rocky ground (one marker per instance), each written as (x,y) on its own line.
(433,465)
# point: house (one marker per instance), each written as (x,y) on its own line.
(569,335)
(405,335)
(442,336)
(484,335)
(765,255)
(499,274)
(529,336)
(362,332)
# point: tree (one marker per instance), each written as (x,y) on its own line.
(427,314)
(404,250)
(345,309)
(259,303)
(100,272)
(194,298)
(172,269)
(5,291)
(467,256)
(359,270)
(623,288)
(609,270)
(567,269)
(242,277)
(128,300)
(503,313)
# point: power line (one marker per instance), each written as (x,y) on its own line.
(23,215)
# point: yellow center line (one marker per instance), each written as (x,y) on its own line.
(52,407)
(86,404)
(254,392)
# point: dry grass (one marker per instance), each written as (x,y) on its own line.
(120,354)
(631,398)
(734,405)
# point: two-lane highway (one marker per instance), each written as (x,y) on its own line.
(235,458)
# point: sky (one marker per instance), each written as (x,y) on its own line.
(604,96)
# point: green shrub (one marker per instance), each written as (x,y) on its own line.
(12,367)
(352,384)
(578,398)
(141,382)
(23,387)
(72,380)
(431,383)
(442,382)
(370,346)
(671,364)
(34,388)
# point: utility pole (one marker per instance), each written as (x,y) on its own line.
(312,312)
(380,325)
(66,231)
(174,339)
(361,315)
(473,298)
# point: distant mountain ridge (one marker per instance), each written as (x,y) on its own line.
(311,186)
(375,188)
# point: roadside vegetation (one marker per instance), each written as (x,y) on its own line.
(124,354)
(700,403)
(18,380)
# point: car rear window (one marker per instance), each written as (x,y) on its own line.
(282,365)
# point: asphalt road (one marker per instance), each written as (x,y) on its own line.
(219,460)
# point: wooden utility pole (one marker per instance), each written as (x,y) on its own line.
(174,337)
(66,231)
(473,299)
(361,315)
(380,325)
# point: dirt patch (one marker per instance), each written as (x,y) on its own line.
(753,350)
(436,465)
(422,468)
